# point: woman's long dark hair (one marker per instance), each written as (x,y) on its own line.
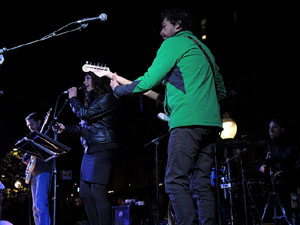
(101,86)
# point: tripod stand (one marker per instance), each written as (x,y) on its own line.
(274,195)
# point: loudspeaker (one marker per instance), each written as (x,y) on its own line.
(129,215)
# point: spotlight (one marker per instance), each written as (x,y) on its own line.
(229,127)
(18,184)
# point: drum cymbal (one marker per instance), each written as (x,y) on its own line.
(241,143)
(234,143)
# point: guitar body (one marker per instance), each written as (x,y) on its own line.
(29,169)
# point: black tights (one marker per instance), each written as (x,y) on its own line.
(97,205)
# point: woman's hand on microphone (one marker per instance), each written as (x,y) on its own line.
(72,92)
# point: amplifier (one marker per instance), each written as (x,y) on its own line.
(129,215)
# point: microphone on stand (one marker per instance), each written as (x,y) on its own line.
(79,88)
(102,17)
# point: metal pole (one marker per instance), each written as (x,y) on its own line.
(156,181)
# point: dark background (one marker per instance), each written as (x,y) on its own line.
(255,44)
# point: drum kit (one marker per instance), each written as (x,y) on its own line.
(237,195)
(243,193)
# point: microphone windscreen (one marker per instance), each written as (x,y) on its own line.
(103,17)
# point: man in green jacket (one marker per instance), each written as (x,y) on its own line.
(193,87)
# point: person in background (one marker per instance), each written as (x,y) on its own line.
(193,87)
(40,173)
(281,156)
(98,137)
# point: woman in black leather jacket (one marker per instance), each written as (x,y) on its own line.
(97,134)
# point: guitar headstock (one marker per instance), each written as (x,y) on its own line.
(99,70)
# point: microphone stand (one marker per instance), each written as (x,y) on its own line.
(217,185)
(54,120)
(226,184)
(156,142)
(245,187)
(56,33)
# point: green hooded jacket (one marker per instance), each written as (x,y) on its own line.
(191,97)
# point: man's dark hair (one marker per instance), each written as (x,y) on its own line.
(33,116)
(181,15)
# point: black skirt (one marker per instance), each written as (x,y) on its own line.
(96,167)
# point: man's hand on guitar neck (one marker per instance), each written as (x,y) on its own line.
(26,158)
(114,83)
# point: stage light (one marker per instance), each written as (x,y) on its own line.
(203,29)
(18,184)
(229,127)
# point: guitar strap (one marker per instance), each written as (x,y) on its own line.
(204,52)
(210,62)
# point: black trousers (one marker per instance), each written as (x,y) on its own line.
(96,203)
(190,160)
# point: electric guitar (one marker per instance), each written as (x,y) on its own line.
(29,169)
(32,162)
(101,71)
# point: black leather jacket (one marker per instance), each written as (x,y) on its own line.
(97,122)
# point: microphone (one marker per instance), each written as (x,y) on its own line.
(102,17)
(79,88)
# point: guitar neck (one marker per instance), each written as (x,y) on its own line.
(104,71)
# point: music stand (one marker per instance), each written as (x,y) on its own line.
(41,146)
(44,148)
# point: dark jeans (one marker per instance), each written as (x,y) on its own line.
(96,203)
(190,160)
